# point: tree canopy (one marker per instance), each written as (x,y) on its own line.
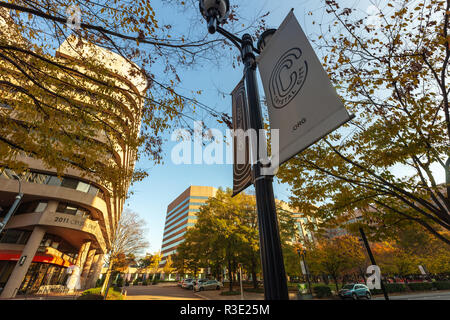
(226,234)
(55,106)
(388,161)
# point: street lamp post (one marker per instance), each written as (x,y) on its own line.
(372,260)
(14,206)
(447,177)
(275,284)
(302,257)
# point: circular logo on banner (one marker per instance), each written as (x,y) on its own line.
(287,78)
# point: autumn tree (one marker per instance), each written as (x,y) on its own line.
(128,241)
(226,234)
(150,263)
(336,257)
(393,77)
(55,105)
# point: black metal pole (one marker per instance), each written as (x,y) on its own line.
(372,260)
(275,284)
(13,208)
(307,273)
(447,178)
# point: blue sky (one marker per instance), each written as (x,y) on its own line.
(167,181)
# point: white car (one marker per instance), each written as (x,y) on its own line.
(208,285)
(188,284)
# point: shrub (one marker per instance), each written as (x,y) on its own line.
(442,285)
(420,286)
(322,291)
(230,293)
(135,282)
(99,282)
(95,294)
(119,282)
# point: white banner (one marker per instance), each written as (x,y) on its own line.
(303,103)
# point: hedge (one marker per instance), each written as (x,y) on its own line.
(442,285)
(94,294)
(420,286)
(391,288)
(322,291)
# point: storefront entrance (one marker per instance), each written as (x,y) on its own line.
(40,274)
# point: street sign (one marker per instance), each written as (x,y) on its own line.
(302,102)
(242,171)
(302,264)
(422,270)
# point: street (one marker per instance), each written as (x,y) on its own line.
(159,292)
(434,295)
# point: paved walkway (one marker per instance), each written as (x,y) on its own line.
(215,295)
(161,291)
(426,295)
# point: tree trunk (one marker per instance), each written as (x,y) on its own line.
(106,283)
(335,282)
(230,276)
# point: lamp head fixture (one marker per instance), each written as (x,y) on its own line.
(215,12)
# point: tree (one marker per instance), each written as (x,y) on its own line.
(45,92)
(336,257)
(394,79)
(150,263)
(226,234)
(168,266)
(128,241)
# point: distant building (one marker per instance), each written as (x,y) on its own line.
(302,222)
(182,215)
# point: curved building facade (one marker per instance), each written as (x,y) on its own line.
(65,220)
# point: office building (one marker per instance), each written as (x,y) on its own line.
(67,220)
(181,215)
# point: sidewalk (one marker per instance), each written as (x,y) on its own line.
(215,295)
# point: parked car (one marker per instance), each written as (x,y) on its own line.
(208,285)
(355,291)
(184,283)
(189,284)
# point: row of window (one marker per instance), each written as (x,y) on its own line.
(53,180)
(63,207)
(18,236)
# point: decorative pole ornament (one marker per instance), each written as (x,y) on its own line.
(73,18)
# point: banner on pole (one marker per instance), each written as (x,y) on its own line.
(302,101)
(242,171)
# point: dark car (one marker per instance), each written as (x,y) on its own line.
(355,291)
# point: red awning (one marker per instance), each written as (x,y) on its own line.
(11,255)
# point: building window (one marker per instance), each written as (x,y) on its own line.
(33,206)
(83,187)
(64,207)
(15,236)
(53,180)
